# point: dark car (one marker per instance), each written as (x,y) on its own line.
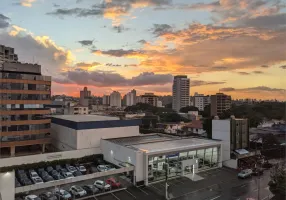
(22,176)
(43,173)
(17,184)
(49,169)
(48,196)
(93,169)
(63,170)
(77,173)
(58,167)
(90,189)
(257,171)
(58,177)
(20,171)
(40,170)
(26,182)
(54,172)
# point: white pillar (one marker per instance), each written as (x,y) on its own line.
(12,151)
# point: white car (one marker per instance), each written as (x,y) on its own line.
(245,173)
(67,175)
(33,174)
(71,169)
(77,191)
(37,180)
(101,185)
(82,169)
(102,168)
(32,197)
(63,194)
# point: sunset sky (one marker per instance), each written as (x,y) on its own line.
(234,46)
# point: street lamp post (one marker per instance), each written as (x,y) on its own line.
(166,167)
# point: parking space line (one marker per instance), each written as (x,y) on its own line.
(155,188)
(142,191)
(131,194)
(115,196)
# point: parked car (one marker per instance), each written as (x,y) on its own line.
(58,167)
(53,172)
(82,169)
(90,189)
(33,174)
(93,169)
(77,173)
(67,175)
(257,171)
(112,182)
(18,198)
(26,182)
(40,170)
(20,171)
(49,169)
(245,173)
(77,191)
(48,196)
(58,177)
(102,185)
(62,170)
(17,184)
(32,197)
(44,173)
(109,167)
(37,180)
(102,168)
(47,178)
(71,169)
(63,194)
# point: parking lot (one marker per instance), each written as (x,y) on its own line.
(215,184)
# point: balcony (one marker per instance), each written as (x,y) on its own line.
(28,142)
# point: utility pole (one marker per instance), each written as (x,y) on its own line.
(166,167)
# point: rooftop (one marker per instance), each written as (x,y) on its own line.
(85,118)
(156,143)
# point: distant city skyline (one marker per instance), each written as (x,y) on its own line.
(233,46)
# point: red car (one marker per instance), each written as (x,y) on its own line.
(113,183)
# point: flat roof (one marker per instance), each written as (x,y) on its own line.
(158,143)
(85,118)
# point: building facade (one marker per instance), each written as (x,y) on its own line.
(220,103)
(149,98)
(77,110)
(7,54)
(84,97)
(181,92)
(200,101)
(106,100)
(115,99)
(131,98)
(23,93)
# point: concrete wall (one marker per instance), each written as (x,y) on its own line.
(91,138)
(7,186)
(65,138)
(72,180)
(117,154)
(5,162)
(221,131)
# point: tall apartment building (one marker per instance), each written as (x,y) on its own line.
(23,93)
(131,98)
(233,132)
(149,98)
(7,54)
(219,103)
(106,100)
(181,92)
(200,101)
(84,97)
(115,99)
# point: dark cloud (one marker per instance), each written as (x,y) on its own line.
(112,65)
(120,28)
(118,52)
(220,68)
(84,65)
(243,73)
(107,79)
(4,21)
(56,5)
(258,72)
(142,41)
(283,67)
(264,66)
(160,29)
(86,42)
(270,21)
(253,89)
(195,83)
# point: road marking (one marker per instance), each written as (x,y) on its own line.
(155,188)
(142,191)
(243,185)
(265,197)
(115,196)
(215,197)
(130,194)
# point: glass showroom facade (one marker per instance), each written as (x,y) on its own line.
(204,159)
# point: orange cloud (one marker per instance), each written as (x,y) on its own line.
(27,3)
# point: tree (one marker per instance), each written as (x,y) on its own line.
(278,181)
(169,105)
(207,126)
(207,111)
(188,108)
(172,117)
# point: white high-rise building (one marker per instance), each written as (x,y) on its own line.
(115,99)
(106,100)
(131,98)
(200,101)
(181,92)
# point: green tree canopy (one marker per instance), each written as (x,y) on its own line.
(188,108)
(278,181)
